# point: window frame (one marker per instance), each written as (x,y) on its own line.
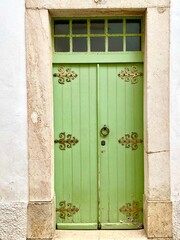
(98,57)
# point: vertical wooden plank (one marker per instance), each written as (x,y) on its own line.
(76,150)
(121,122)
(67,128)
(103,150)
(138,123)
(85,151)
(129,110)
(113,208)
(93,162)
(98,145)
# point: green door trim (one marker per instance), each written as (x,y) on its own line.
(98,58)
(77,226)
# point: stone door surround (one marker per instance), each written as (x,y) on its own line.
(157,204)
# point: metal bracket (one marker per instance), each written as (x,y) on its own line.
(130,74)
(65,75)
(66,142)
(130,141)
(66,209)
(131,210)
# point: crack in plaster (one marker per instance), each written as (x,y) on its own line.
(162,151)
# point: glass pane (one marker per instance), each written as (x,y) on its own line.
(61,27)
(133,43)
(133,26)
(97,27)
(115,44)
(79,44)
(115,26)
(97,44)
(61,44)
(79,27)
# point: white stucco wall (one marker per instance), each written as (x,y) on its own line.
(13,121)
(175,114)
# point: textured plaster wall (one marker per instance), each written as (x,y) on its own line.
(175,114)
(13,122)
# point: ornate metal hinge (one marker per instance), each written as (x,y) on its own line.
(131,210)
(66,209)
(66,142)
(65,75)
(130,74)
(130,141)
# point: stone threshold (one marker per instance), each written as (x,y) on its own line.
(100,235)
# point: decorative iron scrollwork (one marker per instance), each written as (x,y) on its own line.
(130,74)
(66,142)
(130,141)
(66,209)
(65,74)
(131,210)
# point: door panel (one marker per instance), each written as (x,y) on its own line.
(76,167)
(98,184)
(121,169)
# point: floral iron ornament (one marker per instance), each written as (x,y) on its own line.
(130,141)
(65,75)
(66,209)
(66,142)
(130,74)
(131,210)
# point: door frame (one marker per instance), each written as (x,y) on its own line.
(157,202)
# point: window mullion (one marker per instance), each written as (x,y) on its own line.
(106,35)
(124,35)
(88,36)
(70,31)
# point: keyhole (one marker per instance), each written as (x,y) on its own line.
(103,143)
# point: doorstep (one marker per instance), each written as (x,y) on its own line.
(100,235)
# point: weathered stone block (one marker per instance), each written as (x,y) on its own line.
(158,187)
(41,220)
(79,4)
(158,219)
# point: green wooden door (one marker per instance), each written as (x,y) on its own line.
(98,127)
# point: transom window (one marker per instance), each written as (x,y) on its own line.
(97,35)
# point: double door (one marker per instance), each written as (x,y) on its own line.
(98,132)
